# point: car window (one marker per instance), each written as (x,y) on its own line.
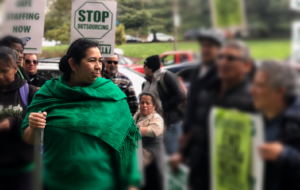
(183,58)
(128,61)
(49,74)
(168,60)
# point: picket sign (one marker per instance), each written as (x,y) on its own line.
(234,140)
(95,20)
(295,5)
(25,19)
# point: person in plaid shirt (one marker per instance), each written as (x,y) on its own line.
(122,81)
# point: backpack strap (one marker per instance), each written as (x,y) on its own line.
(24,92)
(163,84)
(20,73)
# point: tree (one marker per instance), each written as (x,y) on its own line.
(57,21)
(120,34)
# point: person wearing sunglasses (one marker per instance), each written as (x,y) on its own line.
(30,66)
(122,81)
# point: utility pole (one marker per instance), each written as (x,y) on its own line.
(176,22)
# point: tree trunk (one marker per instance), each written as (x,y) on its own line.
(154,37)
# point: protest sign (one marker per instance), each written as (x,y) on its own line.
(295,5)
(95,20)
(25,19)
(296,40)
(235,162)
(229,15)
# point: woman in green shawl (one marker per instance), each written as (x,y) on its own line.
(90,137)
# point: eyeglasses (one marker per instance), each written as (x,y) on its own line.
(230,58)
(28,62)
(110,62)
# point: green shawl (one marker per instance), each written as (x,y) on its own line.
(99,110)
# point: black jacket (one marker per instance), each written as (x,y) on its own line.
(14,153)
(37,81)
(24,74)
(235,98)
(285,173)
(197,84)
(170,103)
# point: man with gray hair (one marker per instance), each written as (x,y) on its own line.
(230,90)
(275,93)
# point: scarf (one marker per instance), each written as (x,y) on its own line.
(100,110)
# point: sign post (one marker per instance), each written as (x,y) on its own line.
(25,19)
(235,162)
(95,20)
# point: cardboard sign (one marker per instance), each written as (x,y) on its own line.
(95,20)
(25,19)
(295,40)
(295,5)
(235,162)
(229,14)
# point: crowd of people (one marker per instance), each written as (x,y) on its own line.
(94,120)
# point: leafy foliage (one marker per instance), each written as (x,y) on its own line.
(120,34)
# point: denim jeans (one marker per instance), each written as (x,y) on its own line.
(171,137)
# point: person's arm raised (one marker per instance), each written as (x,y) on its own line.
(36,121)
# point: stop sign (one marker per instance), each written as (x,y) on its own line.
(93,20)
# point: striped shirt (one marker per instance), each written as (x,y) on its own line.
(125,84)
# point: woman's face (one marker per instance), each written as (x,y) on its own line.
(146,105)
(90,67)
(20,50)
(7,75)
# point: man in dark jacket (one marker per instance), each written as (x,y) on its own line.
(230,90)
(166,88)
(275,93)
(30,67)
(211,42)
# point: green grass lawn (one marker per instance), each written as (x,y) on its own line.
(261,49)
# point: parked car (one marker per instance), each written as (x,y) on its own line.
(49,68)
(125,61)
(160,37)
(184,71)
(132,39)
(191,34)
(172,58)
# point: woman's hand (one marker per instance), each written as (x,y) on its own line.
(37,121)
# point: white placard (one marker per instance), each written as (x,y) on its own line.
(295,40)
(25,19)
(95,20)
(295,5)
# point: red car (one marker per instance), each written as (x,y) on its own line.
(171,58)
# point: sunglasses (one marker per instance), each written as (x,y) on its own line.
(111,62)
(28,62)
(230,58)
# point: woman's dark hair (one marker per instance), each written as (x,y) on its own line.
(5,60)
(77,51)
(154,101)
(9,40)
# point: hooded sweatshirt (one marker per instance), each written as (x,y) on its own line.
(15,155)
